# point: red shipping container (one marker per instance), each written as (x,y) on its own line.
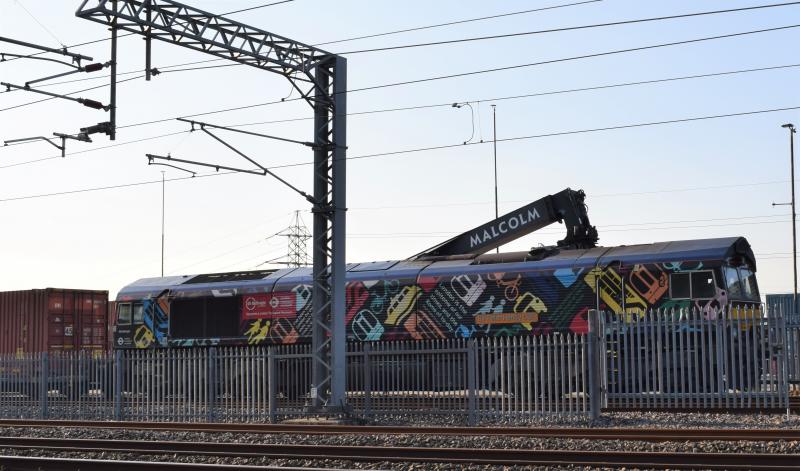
(50,319)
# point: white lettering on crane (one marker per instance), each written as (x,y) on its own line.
(512,223)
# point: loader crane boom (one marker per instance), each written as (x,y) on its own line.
(566,206)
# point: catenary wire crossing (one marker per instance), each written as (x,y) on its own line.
(95,41)
(481,71)
(481,38)
(445,146)
(368,36)
(435,105)
(568,28)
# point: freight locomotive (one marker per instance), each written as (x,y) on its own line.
(454,290)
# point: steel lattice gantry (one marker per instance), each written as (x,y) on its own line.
(321,79)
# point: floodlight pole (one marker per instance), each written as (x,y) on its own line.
(321,79)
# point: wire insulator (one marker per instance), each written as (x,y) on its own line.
(91,103)
(93,67)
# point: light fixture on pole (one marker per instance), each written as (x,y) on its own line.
(792,132)
(472,113)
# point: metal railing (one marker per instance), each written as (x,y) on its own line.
(696,359)
(676,359)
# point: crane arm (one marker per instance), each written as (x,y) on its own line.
(566,206)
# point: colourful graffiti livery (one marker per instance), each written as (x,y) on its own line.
(434,300)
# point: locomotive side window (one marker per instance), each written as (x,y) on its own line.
(222,317)
(204,318)
(680,287)
(186,318)
(703,285)
(692,285)
(124,314)
(138,313)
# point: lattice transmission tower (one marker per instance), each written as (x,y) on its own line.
(297,235)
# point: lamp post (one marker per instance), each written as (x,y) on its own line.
(792,132)
(494,143)
(163,186)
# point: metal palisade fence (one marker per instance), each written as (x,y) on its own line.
(696,359)
(675,359)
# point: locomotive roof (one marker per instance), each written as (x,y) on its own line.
(221,284)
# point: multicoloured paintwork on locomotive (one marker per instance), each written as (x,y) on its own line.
(435,300)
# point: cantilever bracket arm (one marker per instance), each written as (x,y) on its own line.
(150,161)
(88,69)
(63,51)
(151,158)
(3,56)
(38,138)
(83,101)
(203,125)
(62,147)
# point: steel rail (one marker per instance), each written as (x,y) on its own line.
(635,434)
(30,463)
(477,456)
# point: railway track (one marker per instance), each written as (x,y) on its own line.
(460,456)
(636,434)
(31,463)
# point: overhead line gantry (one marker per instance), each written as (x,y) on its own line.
(321,79)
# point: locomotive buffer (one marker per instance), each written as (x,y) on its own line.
(566,206)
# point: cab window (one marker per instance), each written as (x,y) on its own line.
(124,314)
(732,281)
(748,283)
(138,313)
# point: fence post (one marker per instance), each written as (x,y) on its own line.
(273,386)
(118,376)
(594,364)
(43,377)
(471,389)
(211,383)
(367,380)
(782,360)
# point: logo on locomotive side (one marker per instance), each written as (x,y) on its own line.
(250,303)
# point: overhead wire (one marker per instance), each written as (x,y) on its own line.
(95,41)
(452,23)
(462,74)
(568,28)
(68,94)
(450,146)
(510,35)
(414,150)
(661,228)
(95,149)
(257,7)
(449,104)
(550,232)
(41,25)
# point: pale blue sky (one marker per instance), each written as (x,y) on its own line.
(636,179)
